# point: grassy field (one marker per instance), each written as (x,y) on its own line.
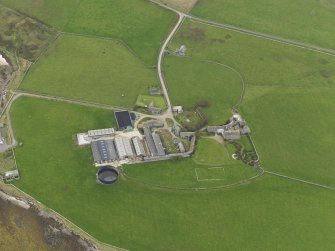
(140,24)
(204,81)
(145,100)
(293,130)
(212,153)
(60,175)
(289,93)
(90,69)
(308,21)
(259,61)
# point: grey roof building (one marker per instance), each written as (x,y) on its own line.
(12,175)
(154,110)
(138,146)
(101,132)
(231,135)
(158,144)
(123,147)
(155,91)
(150,141)
(103,151)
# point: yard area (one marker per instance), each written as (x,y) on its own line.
(313,24)
(90,69)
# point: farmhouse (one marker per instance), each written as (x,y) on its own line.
(233,130)
(123,120)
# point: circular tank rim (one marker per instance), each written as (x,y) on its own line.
(107,168)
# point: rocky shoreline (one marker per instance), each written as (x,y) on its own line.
(24,224)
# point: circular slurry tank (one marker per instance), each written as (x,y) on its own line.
(107,175)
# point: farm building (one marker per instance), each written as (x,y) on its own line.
(177,109)
(12,175)
(154,142)
(138,146)
(181,50)
(154,110)
(87,138)
(158,144)
(230,134)
(103,151)
(101,133)
(123,120)
(155,91)
(123,147)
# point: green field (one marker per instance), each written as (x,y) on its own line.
(61,176)
(145,100)
(259,61)
(205,81)
(293,130)
(212,153)
(289,96)
(140,24)
(90,69)
(309,21)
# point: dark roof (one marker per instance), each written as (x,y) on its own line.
(133,116)
(155,92)
(123,119)
(150,141)
(103,150)
(158,144)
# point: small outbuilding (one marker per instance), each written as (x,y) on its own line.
(177,109)
(12,175)
(155,91)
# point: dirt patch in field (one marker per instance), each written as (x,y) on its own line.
(328,3)
(326,74)
(323,61)
(194,34)
(22,35)
(181,5)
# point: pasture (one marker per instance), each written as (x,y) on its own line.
(307,21)
(205,81)
(260,62)
(90,69)
(293,130)
(60,175)
(140,24)
(287,100)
